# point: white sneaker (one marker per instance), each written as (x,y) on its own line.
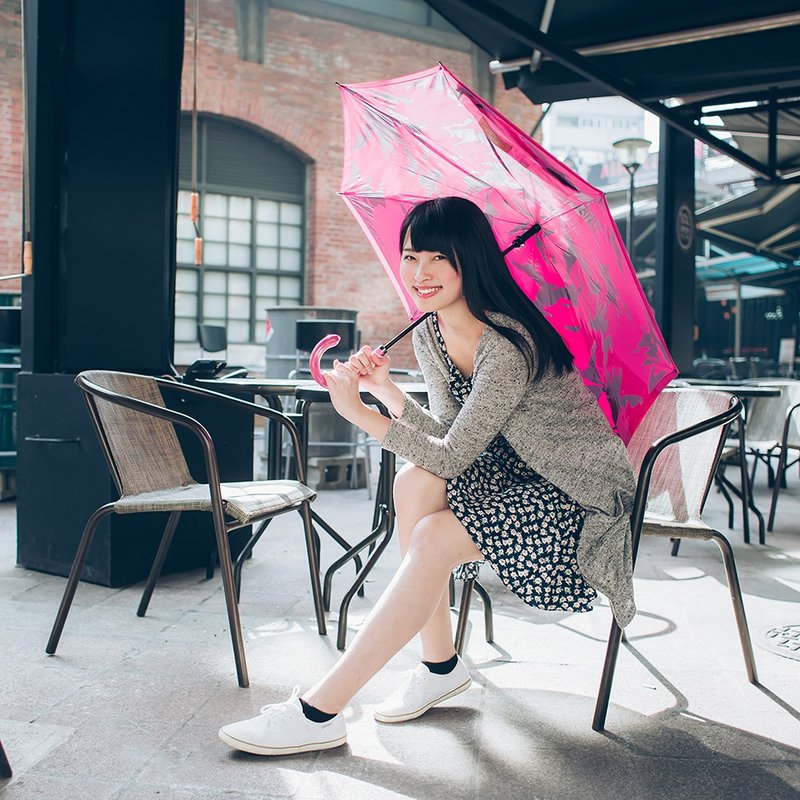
(424,690)
(282,729)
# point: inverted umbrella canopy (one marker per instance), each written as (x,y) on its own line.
(428,135)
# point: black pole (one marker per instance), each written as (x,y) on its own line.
(631,191)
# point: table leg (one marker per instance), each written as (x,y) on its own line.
(387,504)
(274,440)
(745,494)
(746,500)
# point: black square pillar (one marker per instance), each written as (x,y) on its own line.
(674,297)
(103,84)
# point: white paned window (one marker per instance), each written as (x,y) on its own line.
(252,221)
(252,258)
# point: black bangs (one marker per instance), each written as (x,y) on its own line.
(431,229)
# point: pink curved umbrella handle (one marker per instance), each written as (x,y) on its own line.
(319,350)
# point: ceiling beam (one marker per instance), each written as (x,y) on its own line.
(783,105)
(783,92)
(670,39)
(492,15)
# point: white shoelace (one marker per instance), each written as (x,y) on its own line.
(417,676)
(278,712)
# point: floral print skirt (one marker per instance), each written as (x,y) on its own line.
(526,528)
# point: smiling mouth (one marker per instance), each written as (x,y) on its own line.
(426,292)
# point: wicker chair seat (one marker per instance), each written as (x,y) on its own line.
(242,501)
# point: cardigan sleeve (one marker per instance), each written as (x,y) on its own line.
(499,383)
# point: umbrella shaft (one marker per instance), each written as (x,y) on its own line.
(396,339)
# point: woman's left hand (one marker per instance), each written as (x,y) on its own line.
(343,388)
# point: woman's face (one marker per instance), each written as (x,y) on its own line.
(429,277)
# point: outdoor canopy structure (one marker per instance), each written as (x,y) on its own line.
(681,61)
(702,54)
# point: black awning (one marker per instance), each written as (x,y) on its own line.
(699,53)
(765,220)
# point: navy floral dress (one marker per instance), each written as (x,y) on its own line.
(525,527)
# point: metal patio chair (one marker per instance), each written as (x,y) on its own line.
(675,452)
(138,437)
(772,433)
(789,441)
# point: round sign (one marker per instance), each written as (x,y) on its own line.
(684,227)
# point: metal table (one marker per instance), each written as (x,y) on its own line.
(743,391)
(383,515)
(271,389)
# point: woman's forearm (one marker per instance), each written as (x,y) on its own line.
(391,397)
(371,421)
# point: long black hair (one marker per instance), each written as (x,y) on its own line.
(458,229)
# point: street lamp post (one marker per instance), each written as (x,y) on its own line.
(633,153)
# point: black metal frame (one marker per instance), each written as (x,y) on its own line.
(222,527)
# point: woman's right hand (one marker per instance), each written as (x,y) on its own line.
(372,368)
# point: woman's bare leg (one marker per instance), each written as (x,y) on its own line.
(438,544)
(418,493)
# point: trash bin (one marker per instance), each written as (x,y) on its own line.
(329,434)
(282,355)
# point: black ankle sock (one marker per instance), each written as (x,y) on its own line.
(442,667)
(314,714)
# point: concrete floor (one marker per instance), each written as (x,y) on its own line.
(129,708)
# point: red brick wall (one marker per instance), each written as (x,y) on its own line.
(10,143)
(292,96)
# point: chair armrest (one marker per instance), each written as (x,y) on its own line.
(787,425)
(245,405)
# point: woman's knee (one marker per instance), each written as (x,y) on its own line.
(417,486)
(436,540)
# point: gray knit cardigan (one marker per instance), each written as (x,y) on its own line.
(555,425)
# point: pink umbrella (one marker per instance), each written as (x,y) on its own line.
(428,135)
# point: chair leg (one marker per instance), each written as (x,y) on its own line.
(776,487)
(726,494)
(232,607)
(5,764)
(463,615)
(676,543)
(158,562)
(313,567)
(488,622)
(75,574)
(604,693)
(738,606)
